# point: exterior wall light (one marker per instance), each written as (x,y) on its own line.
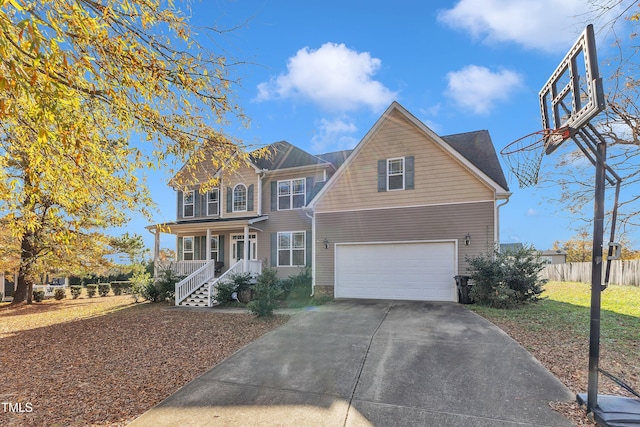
(326,243)
(467,239)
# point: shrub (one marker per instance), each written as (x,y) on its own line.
(139,283)
(76,290)
(38,295)
(242,285)
(91,290)
(103,289)
(150,292)
(116,287)
(505,280)
(266,292)
(224,292)
(165,285)
(59,294)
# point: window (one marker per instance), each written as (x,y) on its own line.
(291,194)
(213,202)
(395,174)
(188,204)
(214,248)
(291,248)
(187,248)
(239,198)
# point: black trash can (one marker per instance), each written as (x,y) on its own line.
(462,282)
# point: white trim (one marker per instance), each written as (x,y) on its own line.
(404,173)
(405,207)
(192,204)
(233,198)
(425,130)
(291,193)
(218,202)
(291,248)
(193,248)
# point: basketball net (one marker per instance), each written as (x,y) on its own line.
(524,155)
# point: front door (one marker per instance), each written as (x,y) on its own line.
(237,247)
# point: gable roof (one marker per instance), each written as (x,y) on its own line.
(480,150)
(337,158)
(283,155)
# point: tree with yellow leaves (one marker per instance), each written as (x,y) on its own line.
(78,80)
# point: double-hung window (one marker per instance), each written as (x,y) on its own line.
(395,173)
(240,198)
(214,248)
(291,194)
(188,204)
(187,248)
(291,248)
(213,202)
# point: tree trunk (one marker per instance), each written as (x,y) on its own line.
(24,286)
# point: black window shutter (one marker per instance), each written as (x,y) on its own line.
(409,183)
(308,245)
(229,199)
(250,198)
(203,203)
(382,175)
(309,188)
(221,248)
(274,249)
(196,248)
(274,195)
(180,198)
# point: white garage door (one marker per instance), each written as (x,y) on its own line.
(404,271)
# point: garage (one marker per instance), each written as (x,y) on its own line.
(422,271)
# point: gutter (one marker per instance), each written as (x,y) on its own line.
(313,248)
(497,225)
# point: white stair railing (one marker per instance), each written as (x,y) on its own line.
(254,268)
(235,269)
(186,286)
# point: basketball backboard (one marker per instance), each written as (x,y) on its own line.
(573,95)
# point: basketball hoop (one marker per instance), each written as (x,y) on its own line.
(524,155)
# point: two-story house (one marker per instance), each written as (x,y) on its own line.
(395,218)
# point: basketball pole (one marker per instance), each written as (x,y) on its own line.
(596,275)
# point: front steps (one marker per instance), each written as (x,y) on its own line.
(199,298)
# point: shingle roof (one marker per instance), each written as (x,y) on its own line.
(284,155)
(337,158)
(478,148)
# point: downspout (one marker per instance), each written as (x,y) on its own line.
(313,250)
(497,225)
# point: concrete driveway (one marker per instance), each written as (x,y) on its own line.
(380,363)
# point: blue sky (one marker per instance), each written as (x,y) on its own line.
(319,74)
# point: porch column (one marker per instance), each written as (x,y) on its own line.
(246,248)
(208,257)
(156,245)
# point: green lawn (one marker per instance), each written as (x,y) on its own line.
(566,308)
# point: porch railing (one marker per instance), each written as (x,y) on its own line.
(186,268)
(253,267)
(185,287)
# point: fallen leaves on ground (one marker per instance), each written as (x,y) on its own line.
(567,357)
(107,370)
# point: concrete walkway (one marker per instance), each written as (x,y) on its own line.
(380,363)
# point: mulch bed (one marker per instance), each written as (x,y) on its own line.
(108,370)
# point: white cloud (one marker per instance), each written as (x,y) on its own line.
(478,88)
(333,135)
(532,212)
(335,77)
(548,25)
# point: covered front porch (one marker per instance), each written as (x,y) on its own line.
(209,251)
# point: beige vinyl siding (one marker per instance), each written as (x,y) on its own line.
(289,220)
(245,175)
(404,224)
(439,177)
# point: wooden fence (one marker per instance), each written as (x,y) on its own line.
(623,272)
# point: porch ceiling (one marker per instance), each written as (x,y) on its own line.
(214,225)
